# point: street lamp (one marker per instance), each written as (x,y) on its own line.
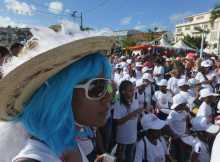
(202,41)
(74,15)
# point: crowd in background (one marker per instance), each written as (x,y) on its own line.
(164,109)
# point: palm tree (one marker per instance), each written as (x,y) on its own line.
(215,13)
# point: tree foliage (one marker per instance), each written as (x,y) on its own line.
(126,42)
(194,42)
(215,13)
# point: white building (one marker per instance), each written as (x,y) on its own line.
(202,20)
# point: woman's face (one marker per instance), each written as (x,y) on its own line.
(128,92)
(90,112)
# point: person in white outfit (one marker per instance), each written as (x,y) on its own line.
(205,109)
(152,147)
(203,129)
(51,101)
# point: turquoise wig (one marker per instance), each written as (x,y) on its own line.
(48,115)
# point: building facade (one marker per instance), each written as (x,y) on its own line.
(190,26)
(11,35)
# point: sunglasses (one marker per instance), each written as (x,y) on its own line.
(97,88)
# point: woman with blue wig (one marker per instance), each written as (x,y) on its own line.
(53,93)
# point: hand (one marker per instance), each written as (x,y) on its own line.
(99,158)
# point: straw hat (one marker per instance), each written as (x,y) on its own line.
(21,83)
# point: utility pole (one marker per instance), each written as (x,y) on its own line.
(203,37)
(74,15)
(218,44)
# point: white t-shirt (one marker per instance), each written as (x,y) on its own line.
(215,149)
(162,99)
(205,110)
(141,99)
(154,153)
(177,122)
(138,75)
(158,70)
(148,94)
(200,77)
(39,151)
(202,150)
(118,78)
(127,132)
(172,85)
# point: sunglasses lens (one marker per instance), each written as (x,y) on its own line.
(97,88)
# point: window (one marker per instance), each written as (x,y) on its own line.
(187,28)
(179,30)
(199,17)
(215,45)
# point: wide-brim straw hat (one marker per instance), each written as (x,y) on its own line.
(19,85)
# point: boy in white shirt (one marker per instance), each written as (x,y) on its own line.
(205,109)
(162,99)
(172,82)
(152,146)
(184,91)
(203,129)
(177,120)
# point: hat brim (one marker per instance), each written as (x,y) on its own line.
(21,83)
(213,129)
(159,124)
(213,94)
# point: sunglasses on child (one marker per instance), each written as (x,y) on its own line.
(97,88)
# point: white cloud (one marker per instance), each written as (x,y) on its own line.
(126,20)
(19,7)
(177,18)
(55,7)
(7,21)
(140,26)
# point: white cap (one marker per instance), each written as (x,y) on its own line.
(201,124)
(139,82)
(178,100)
(123,57)
(138,64)
(145,69)
(118,66)
(162,82)
(129,61)
(151,121)
(147,76)
(206,92)
(182,82)
(205,63)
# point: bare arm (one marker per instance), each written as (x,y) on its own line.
(129,116)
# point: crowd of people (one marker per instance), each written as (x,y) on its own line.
(167,107)
(162,109)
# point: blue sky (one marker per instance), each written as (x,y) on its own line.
(114,14)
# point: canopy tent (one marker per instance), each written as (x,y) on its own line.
(180,44)
(164,43)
